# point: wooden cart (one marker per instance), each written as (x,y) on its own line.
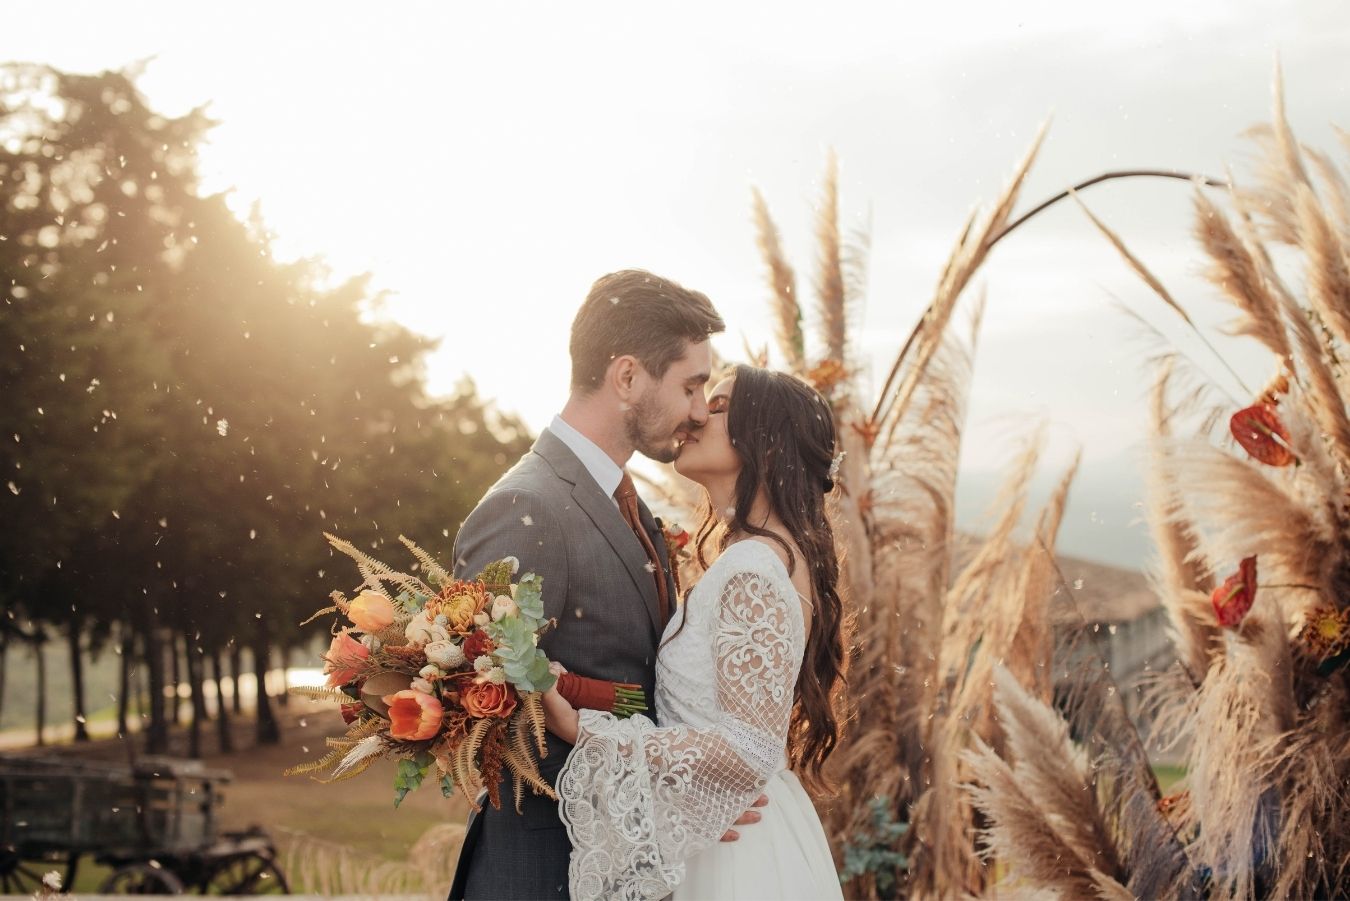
(154,824)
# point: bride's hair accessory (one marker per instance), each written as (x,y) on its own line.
(835,463)
(833,475)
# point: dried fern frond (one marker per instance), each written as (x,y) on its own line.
(323,612)
(319,693)
(376,573)
(434,570)
(314,766)
(534,712)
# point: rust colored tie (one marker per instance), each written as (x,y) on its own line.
(626,495)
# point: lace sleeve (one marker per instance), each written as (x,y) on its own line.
(640,800)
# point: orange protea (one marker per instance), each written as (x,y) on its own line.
(459,602)
(1234,597)
(1325,633)
(1262,435)
(827,375)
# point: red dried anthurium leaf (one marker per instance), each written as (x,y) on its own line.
(1234,597)
(1259,430)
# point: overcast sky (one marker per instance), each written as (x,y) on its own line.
(486,162)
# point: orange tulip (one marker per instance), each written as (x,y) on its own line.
(371,611)
(413,715)
(345,659)
(1234,597)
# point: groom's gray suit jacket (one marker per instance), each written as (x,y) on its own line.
(549,512)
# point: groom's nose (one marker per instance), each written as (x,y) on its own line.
(698,410)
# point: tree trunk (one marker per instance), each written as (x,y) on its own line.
(157,735)
(127,648)
(236,669)
(77,679)
(193,665)
(268,731)
(284,698)
(4,653)
(175,674)
(222,713)
(39,640)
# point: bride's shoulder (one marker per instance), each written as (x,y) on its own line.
(755,554)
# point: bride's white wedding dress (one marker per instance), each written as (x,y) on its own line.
(645,805)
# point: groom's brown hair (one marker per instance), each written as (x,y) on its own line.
(637,313)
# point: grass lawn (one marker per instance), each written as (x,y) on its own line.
(1168,775)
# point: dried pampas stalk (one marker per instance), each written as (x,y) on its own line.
(783,282)
(830,289)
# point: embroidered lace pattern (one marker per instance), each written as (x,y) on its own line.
(640,799)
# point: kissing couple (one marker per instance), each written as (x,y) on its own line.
(709,800)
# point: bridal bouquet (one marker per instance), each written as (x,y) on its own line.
(443,673)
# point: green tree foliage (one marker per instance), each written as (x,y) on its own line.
(183,413)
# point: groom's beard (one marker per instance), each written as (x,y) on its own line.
(647,432)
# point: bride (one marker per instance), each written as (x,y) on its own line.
(745,679)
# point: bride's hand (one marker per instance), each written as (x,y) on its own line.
(560,717)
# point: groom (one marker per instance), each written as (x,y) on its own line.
(568,511)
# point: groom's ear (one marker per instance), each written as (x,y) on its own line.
(624,376)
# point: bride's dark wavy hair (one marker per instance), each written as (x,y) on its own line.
(783,432)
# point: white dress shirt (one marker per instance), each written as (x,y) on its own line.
(600,465)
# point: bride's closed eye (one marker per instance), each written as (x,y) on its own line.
(718,404)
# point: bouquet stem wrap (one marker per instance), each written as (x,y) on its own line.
(619,698)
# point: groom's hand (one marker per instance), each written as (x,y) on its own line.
(745,819)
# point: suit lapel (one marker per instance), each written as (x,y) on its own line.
(607,519)
(656,530)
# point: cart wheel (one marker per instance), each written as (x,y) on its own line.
(142,879)
(247,874)
(24,877)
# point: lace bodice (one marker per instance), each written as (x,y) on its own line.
(640,799)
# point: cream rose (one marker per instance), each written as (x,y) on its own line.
(445,654)
(422,630)
(502,606)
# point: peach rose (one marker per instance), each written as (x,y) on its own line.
(371,611)
(345,658)
(413,715)
(486,699)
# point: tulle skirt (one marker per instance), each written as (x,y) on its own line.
(784,856)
